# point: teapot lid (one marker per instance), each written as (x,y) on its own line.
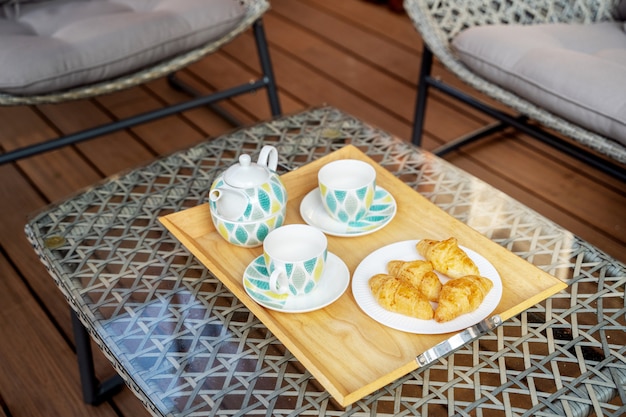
(246,174)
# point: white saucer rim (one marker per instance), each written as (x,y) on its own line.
(357,233)
(331,257)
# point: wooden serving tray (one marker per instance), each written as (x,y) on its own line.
(348,352)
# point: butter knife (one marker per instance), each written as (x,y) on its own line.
(458,340)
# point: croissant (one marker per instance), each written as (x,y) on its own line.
(398,296)
(447,257)
(419,274)
(460,296)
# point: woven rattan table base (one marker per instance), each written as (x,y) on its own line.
(187,347)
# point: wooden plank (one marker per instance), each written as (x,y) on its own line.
(21,126)
(315,90)
(110,153)
(376,19)
(298,78)
(207,121)
(372,43)
(39,375)
(4,409)
(129,406)
(368,40)
(352,68)
(365,44)
(222,71)
(18,199)
(394,95)
(163,135)
(218,72)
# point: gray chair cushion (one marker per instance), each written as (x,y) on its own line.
(58,44)
(573,70)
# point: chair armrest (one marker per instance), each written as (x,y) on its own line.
(441,20)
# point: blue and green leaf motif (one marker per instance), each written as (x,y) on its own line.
(280,193)
(248,234)
(340,196)
(262,232)
(297,280)
(331,203)
(309,265)
(352,208)
(265,200)
(361,192)
(301,277)
(256,281)
(383,208)
(240,235)
(344,205)
(247,214)
(288,269)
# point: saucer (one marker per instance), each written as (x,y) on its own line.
(332,285)
(381,212)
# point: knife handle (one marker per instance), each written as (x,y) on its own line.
(458,340)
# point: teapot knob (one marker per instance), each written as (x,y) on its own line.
(245,160)
(268,157)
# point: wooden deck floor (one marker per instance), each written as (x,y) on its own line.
(351,54)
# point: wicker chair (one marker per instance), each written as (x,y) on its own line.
(439,22)
(204,29)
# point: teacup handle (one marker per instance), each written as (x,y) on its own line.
(268,157)
(278,282)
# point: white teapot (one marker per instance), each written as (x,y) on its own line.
(249,199)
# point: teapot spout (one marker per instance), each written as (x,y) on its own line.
(228,204)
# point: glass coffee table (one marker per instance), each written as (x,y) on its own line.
(186,345)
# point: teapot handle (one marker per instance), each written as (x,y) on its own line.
(268,157)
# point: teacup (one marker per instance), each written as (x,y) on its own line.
(347,188)
(295,257)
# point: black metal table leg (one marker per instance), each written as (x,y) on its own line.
(94,392)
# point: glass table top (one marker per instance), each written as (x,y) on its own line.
(187,346)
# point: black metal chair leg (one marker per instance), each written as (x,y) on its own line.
(422,95)
(504,120)
(94,392)
(266,67)
(267,80)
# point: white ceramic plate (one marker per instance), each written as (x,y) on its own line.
(376,263)
(332,285)
(382,212)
